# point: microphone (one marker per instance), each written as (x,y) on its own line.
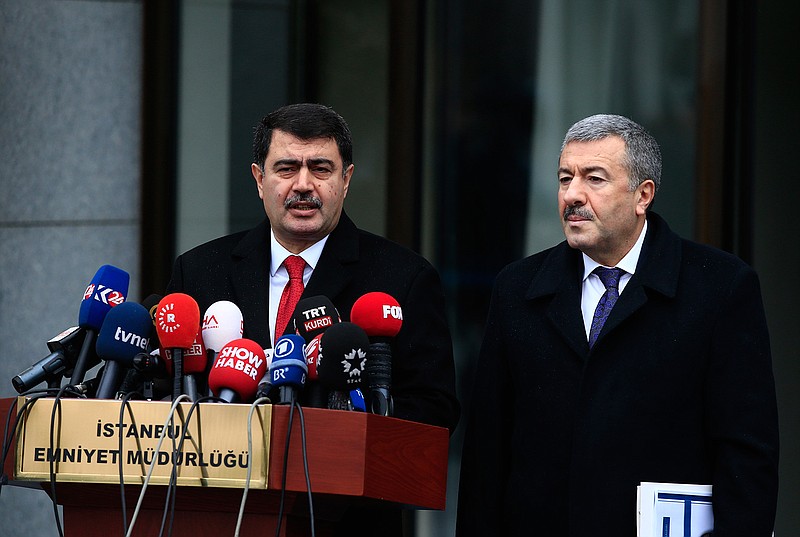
(316,396)
(288,370)
(64,349)
(340,367)
(237,369)
(195,360)
(381,317)
(108,289)
(177,324)
(125,333)
(222,323)
(151,305)
(265,384)
(314,315)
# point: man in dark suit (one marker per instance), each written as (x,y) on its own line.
(302,168)
(585,387)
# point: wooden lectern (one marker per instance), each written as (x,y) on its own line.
(353,458)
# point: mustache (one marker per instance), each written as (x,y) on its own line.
(303,198)
(580,212)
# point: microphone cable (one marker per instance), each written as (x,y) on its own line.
(172,490)
(253,407)
(146,482)
(120,464)
(67,389)
(8,439)
(294,404)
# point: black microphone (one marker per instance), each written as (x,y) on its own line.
(312,316)
(344,350)
(64,349)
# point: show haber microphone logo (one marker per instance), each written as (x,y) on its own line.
(240,359)
(104,294)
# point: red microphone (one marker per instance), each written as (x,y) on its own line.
(316,396)
(177,324)
(381,317)
(238,367)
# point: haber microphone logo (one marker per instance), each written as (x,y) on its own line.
(166,319)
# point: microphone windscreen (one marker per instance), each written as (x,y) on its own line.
(222,323)
(239,365)
(108,289)
(344,349)
(195,358)
(312,356)
(177,321)
(126,332)
(288,367)
(314,315)
(379,314)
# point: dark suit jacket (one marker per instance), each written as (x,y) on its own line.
(353,262)
(678,388)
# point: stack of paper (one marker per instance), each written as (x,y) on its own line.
(674,510)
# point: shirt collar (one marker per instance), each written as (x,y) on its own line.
(627,263)
(279,254)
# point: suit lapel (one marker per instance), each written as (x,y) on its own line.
(250,282)
(657,269)
(564,286)
(334,270)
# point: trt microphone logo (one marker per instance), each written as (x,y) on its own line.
(392,311)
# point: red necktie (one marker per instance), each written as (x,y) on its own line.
(291,293)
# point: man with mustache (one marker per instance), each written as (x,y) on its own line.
(303,164)
(624,354)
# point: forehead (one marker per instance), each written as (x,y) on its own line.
(287,146)
(608,152)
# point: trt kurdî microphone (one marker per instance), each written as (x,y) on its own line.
(177,325)
(288,370)
(344,351)
(108,289)
(64,350)
(125,333)
(381,317)
(314,315)
(237,369)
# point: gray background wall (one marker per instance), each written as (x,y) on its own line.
(70,77)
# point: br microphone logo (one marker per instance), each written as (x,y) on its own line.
(392,311)
(166,319)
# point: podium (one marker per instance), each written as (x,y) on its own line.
(354,459)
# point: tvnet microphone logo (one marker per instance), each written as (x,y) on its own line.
(104,294)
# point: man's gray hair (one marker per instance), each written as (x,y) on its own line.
(642,154)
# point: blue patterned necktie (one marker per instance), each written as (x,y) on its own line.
(610,278)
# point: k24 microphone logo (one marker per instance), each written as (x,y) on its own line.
(104,294)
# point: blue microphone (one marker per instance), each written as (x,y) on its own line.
(288,370)
(125,333)
(108,289)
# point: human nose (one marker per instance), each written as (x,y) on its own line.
(573,192)
(302,181)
